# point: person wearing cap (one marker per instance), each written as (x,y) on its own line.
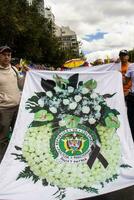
(127,70)
(124,59)
(10,84)
(129,76)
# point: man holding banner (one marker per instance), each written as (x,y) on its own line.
(130,99)
(10,85)
(124,57)
(128,76)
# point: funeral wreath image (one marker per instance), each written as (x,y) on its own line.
(72,141)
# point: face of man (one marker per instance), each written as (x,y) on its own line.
(124,58)
(5,58)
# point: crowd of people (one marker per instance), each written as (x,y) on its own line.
(11,83)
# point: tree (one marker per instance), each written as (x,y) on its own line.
(131,55)
(29,34)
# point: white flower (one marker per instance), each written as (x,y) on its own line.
(97,115)
(70,89)
(98,108)
(85,109)
(42,163)
(72,106)
(53,109)
(55,103)
(91,120)
(41,102)
(84,91)
(85,102)
(65,101)
(81,120)
(49,94)
(93,95)
(57,89)
(77,98)
(62,123)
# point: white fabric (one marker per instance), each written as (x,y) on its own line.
(100,68)
(25,189)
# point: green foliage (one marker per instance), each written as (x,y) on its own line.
(60,194)
(125,166)
(19,157)
(90,189)
(91,84)
(105,113)
(27,173)
(102,184)
(131,55)
(108,95)
(32,102)
(44,182)
(113,178)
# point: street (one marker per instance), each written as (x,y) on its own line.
(124,194)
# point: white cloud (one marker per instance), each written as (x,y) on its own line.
(91,57)
(86,17)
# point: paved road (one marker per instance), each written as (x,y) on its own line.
(124,194)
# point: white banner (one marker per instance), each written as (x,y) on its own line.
(71,139)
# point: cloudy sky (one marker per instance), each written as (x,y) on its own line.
(101,25)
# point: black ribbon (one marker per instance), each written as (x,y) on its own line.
(96,154)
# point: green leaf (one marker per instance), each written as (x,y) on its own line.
(60,82)
(43,115)
(33,99)
(40,94)
(44,182)
(27,173)
(112,121)
(90,189)
(115,112)
(111,179)
(105,113)
(115,176)
(91,84)
(125,166)
(18,148)
(60,193)
(37,124)
(19,157)
(108,95)
(102,184)
(71,121)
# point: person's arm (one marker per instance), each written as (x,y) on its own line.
(126,80)
(20,79)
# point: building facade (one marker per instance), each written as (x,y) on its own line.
(68,39)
